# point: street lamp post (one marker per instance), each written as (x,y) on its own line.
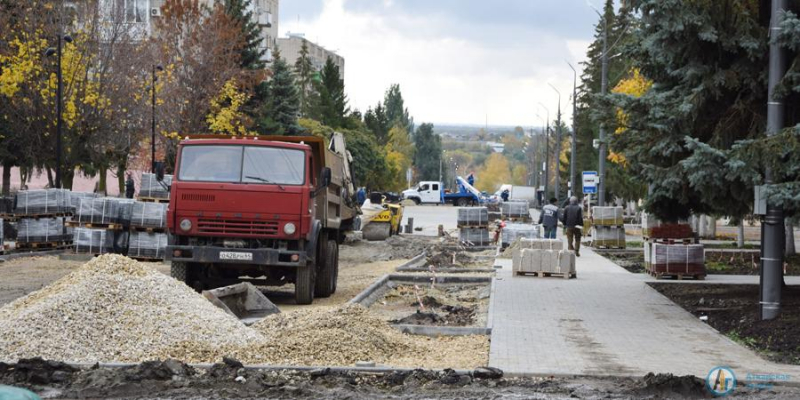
(546,152)
(59,100)
(574,146)
(153,124)
(558,148)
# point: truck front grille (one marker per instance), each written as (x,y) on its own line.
(237,227)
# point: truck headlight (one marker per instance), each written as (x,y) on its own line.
(186,225)
(289,229)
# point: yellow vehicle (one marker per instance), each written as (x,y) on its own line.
(384,224)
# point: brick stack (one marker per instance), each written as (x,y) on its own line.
(40,218)
(473,226)
(148,237)
(152,190)
(513,232)
(669,250)
(515,210)
(543,258)
(608,228)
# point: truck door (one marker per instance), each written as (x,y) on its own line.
(431,195)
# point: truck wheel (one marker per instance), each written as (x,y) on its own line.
(463,202)
(326,278)
(336,271)
(304,285)
(416,201)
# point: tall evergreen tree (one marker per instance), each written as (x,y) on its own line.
(304,71)
(278,116)
(428,155)
(396,111)
(377,121)
(331,108)
(251,54)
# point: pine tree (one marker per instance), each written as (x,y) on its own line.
(396,112)
(279,115)
(378,123)
(331,108)
(304,71)
(428,153)
(251,54)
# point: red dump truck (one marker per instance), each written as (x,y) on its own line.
(266,210)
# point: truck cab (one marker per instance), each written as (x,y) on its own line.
(426,192)
(264,210)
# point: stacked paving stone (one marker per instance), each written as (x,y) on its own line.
(513,232)
(608,228)
(40,219)
(669,250)
(543,257)
(515,210)
(148,237)
(153,190)
(473,226)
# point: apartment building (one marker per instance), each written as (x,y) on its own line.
(290,50)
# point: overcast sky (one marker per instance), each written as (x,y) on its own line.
(456,61)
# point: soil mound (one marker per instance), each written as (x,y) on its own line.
(670,386)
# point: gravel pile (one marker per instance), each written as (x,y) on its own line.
(114,309)
(342,337)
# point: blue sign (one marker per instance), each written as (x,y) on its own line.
(590,182)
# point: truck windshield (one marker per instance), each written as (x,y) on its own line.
(245,164)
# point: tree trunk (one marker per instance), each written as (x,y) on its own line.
(121,178)
(50,181)
(101,186)
(711,227)
(68,175)
(790,247)
(740,234)
(701,225)
(7,178)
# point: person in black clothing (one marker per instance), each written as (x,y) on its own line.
(129,187)
(504,195)
(573,221)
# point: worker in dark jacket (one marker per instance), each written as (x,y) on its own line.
(548,218)
(573,221)
(129,187)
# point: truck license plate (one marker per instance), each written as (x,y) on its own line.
(235,255)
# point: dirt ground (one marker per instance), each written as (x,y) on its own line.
(443,305)
(733,310)
(716,263)
(173,380)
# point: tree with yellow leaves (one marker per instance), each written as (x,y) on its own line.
(635,85)
(494,173)
(225,115)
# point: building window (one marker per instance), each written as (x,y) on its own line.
(132,10)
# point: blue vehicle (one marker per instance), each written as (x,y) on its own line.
(432,192)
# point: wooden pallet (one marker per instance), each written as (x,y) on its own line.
(669,240)
(148,229)
(609,247)
(153,200)
(540,274)
(92,225)
(677,275)
(17,217)
(518,219)
(147,259)
(42,246)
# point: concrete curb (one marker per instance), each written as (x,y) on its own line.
(434,331)
(416,262)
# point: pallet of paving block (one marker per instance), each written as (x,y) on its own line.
(153,200)
(517,219)
(148,229)
(42,246)
(540,274)
(17,216)
(608,247)
(94,225)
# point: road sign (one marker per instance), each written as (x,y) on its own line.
(408,176)
(589,182)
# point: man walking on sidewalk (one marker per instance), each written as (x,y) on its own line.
(573,221)
(548,218)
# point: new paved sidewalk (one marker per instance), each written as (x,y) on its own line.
(606,322)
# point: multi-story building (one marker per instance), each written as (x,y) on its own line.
(143,14)
(290,50)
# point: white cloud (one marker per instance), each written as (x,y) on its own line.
(445,78)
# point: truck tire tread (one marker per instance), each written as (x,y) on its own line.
(326,277)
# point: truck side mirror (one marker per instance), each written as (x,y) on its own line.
(159,171)
(325,177)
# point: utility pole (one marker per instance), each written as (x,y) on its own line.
(573,149)
(546,154)
(772,227)
(153,126)
(558,148)
(59,104)
(601,190)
